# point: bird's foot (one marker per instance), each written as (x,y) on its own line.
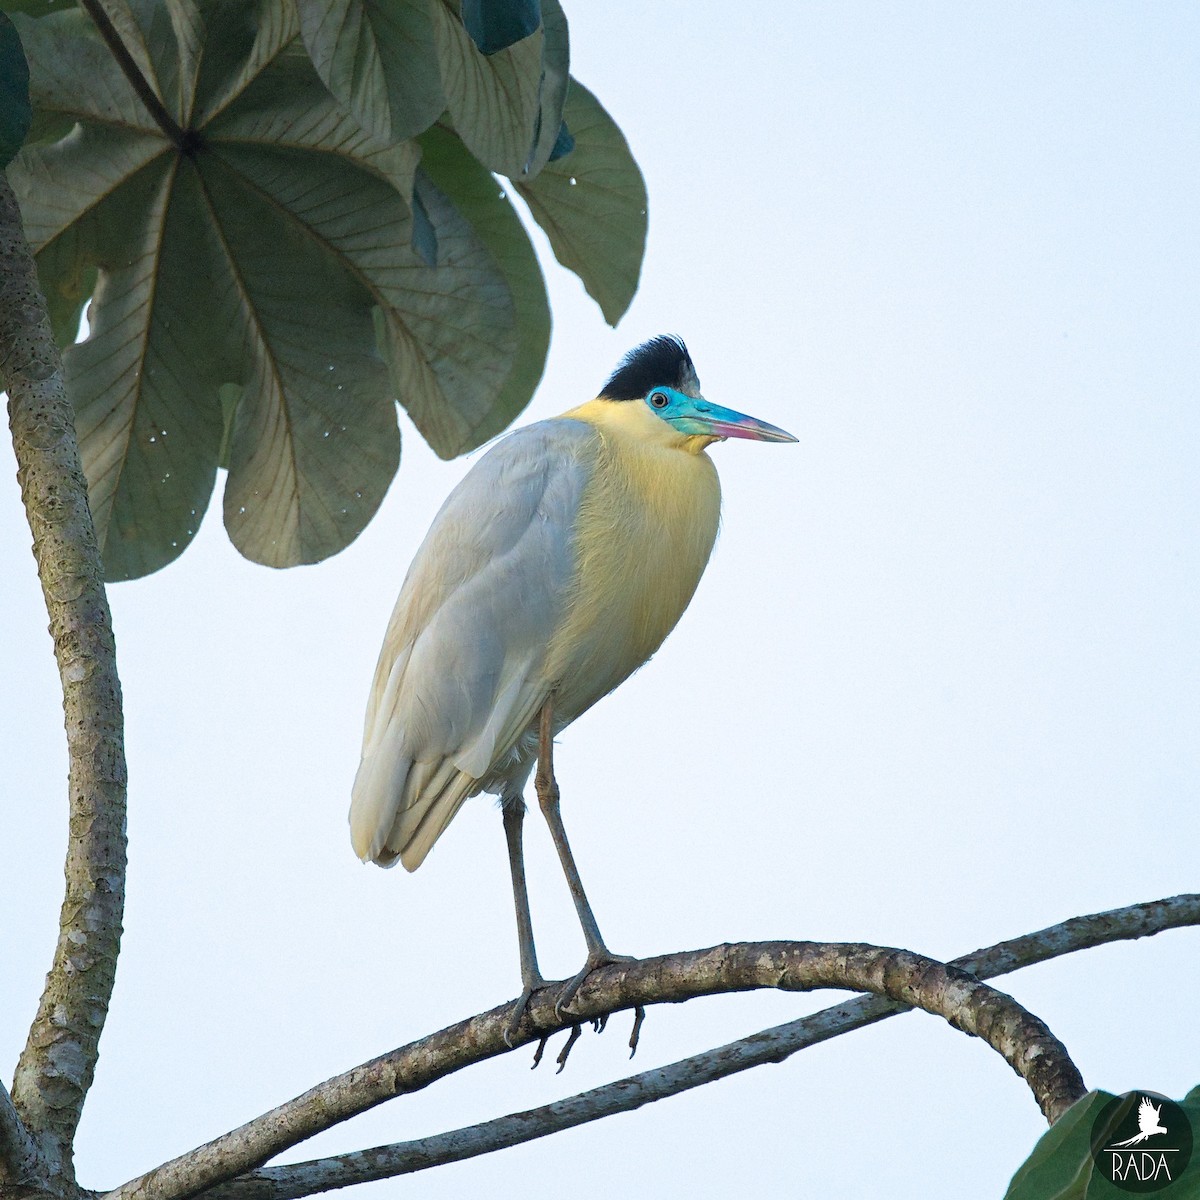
(518,1010)
(598,1025)
(595,960)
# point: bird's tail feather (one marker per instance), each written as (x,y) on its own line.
(399,808)
(375,800)
(420,826)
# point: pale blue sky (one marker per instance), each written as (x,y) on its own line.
(939,686)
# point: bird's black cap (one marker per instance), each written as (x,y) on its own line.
(663,361)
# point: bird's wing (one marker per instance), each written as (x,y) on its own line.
(1148,1116)
(459,679)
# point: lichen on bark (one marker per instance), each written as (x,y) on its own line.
(59,1060)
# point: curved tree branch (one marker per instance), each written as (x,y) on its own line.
(297,1180)
(59,1060)
(1023,1040)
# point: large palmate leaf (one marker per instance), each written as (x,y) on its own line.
(591,202)
(269,267)
(247,263)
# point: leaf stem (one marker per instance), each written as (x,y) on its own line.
(138,81)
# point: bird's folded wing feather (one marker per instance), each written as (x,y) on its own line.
(459,677)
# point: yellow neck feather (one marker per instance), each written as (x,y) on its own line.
(646,527)
(632,419)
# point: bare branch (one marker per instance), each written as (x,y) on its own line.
(21,1162)
(297,1180)
(1023,1040)
(1083,933)
(770,1046)
(59,1060)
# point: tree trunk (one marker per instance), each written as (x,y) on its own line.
(59,1060)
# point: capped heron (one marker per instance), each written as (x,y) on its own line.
(553,571)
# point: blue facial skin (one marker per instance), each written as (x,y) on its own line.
(696,416)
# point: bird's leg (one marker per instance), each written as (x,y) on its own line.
(599,954)
(513,810)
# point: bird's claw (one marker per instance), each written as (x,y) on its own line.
(639,1015)
(565,1052)
(595,960)
(518,1011)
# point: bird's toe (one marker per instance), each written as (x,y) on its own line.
(595,960)
(520,1005)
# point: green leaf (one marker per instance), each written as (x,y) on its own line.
(1061,1167)
(496,24)
(133,38)
(60,185)
(35,8)
(15,112)
(237,285)
(377,57)
(437,390)
(269,271)
(592,205)
(68,281)
(144,382)
(556,68)
(314,442)
(461,423)
(493,100)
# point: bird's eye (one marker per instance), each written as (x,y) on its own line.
(660,399)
